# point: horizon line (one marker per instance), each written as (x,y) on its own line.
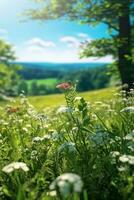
(51,62)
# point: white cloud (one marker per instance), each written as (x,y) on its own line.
(51,55)
(75,42)
(38,42)
(36,50)
(85,37)
(105,59)
(71,41)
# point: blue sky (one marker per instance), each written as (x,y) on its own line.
(53,41)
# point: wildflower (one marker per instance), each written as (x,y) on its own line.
(47,137)
(131,160)
(127,159)
(52,193)
(123,158)
(37,139)
(115,153)
(64,86)
(13,110)
(122,169)
(40,139)
(25,129)
(63,109)
(15,165)
(67,183)
(129,136)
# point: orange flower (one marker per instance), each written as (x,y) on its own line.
(64,86)
(13,110)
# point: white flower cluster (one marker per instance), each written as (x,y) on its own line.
(115,154)
(130,136)
(67,183)
(127,159)
(15,166)
(40,139)
(64,109)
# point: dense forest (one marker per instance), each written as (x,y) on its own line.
(86,79)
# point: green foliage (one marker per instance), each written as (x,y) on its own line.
(100,48)
(83,11)
(37,87)
(8,75)
(78,138)
(116,14)
(8,79)
(88,79)
(6,52)
(46,81)
(23,86)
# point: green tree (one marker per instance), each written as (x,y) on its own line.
(34,89)
(7,53)
(8,75)
(116,14)
(23,86)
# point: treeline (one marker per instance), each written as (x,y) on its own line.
(39,73)
(87,79)
(36,88)
(91,79)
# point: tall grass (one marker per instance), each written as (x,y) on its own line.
(78,151)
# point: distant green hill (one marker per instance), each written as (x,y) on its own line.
(60,66)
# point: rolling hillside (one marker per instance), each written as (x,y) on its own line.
(41,102)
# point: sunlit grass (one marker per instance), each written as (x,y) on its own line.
(41,102)
(78,144)
(48,81)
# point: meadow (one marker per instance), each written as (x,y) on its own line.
(81,150)
(50,82)
(54,100)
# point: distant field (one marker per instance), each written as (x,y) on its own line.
(48,82)
(41,102)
